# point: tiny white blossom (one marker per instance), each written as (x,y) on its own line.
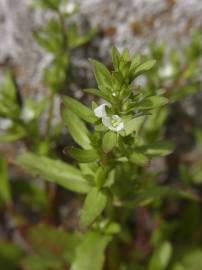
(114,122)
(27,114)
(68,8)
(166,71)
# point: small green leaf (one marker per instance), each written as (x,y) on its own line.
(10,255)
(90,252)
(159,149)
(83,156)
(5,193)
(153,102)
(109,141)
(55,171)
(115,58)
(161,257)
(145,67)
(102,74)
(76,127)
(79,109)
(100,177)
(15,132)
(138,158)
(94,204)
(132,125)
(96,92)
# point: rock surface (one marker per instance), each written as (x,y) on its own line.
(128,23)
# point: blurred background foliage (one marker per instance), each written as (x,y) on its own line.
(39,221)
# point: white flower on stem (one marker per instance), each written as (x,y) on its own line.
(113,122)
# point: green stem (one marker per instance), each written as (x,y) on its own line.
(50,115)
(113,251)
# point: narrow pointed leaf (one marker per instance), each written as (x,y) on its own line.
(94,204)
(145,67)
(55,171)
(109,141)
(79,109)
(153,102)
(5,193)
(83,156)
(138,158)
(90,252)
(102,74)
(76,127)
(159,149)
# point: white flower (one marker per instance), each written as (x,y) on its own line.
(114,122)
(68,8)
(166,71)
(27,114)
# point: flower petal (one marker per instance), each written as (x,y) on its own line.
(114,123)
(100,110)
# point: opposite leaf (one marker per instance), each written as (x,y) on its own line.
(55,171)
(79,109)
(109,141)
(76,127)
(90,252)
(94,204)
(83,156)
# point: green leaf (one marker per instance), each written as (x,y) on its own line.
(14,133)
(79,109)
(10,255)
(145,67)
(76,127)
(153,102)
(5,193)
(196,173)
(132,125)
(83,156)
(191,260)
(96,92)
(138,158)
(102,74)
(109,141)
(115,58)
(94,204)
(55,171)
(8,98)
(159,149)
(90,252)
(161,257)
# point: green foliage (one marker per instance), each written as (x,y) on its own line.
(5,193)
(10,254)
(94,204)
(161,257)
(76,127)
(90,252)
(114,167)
(55,171)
